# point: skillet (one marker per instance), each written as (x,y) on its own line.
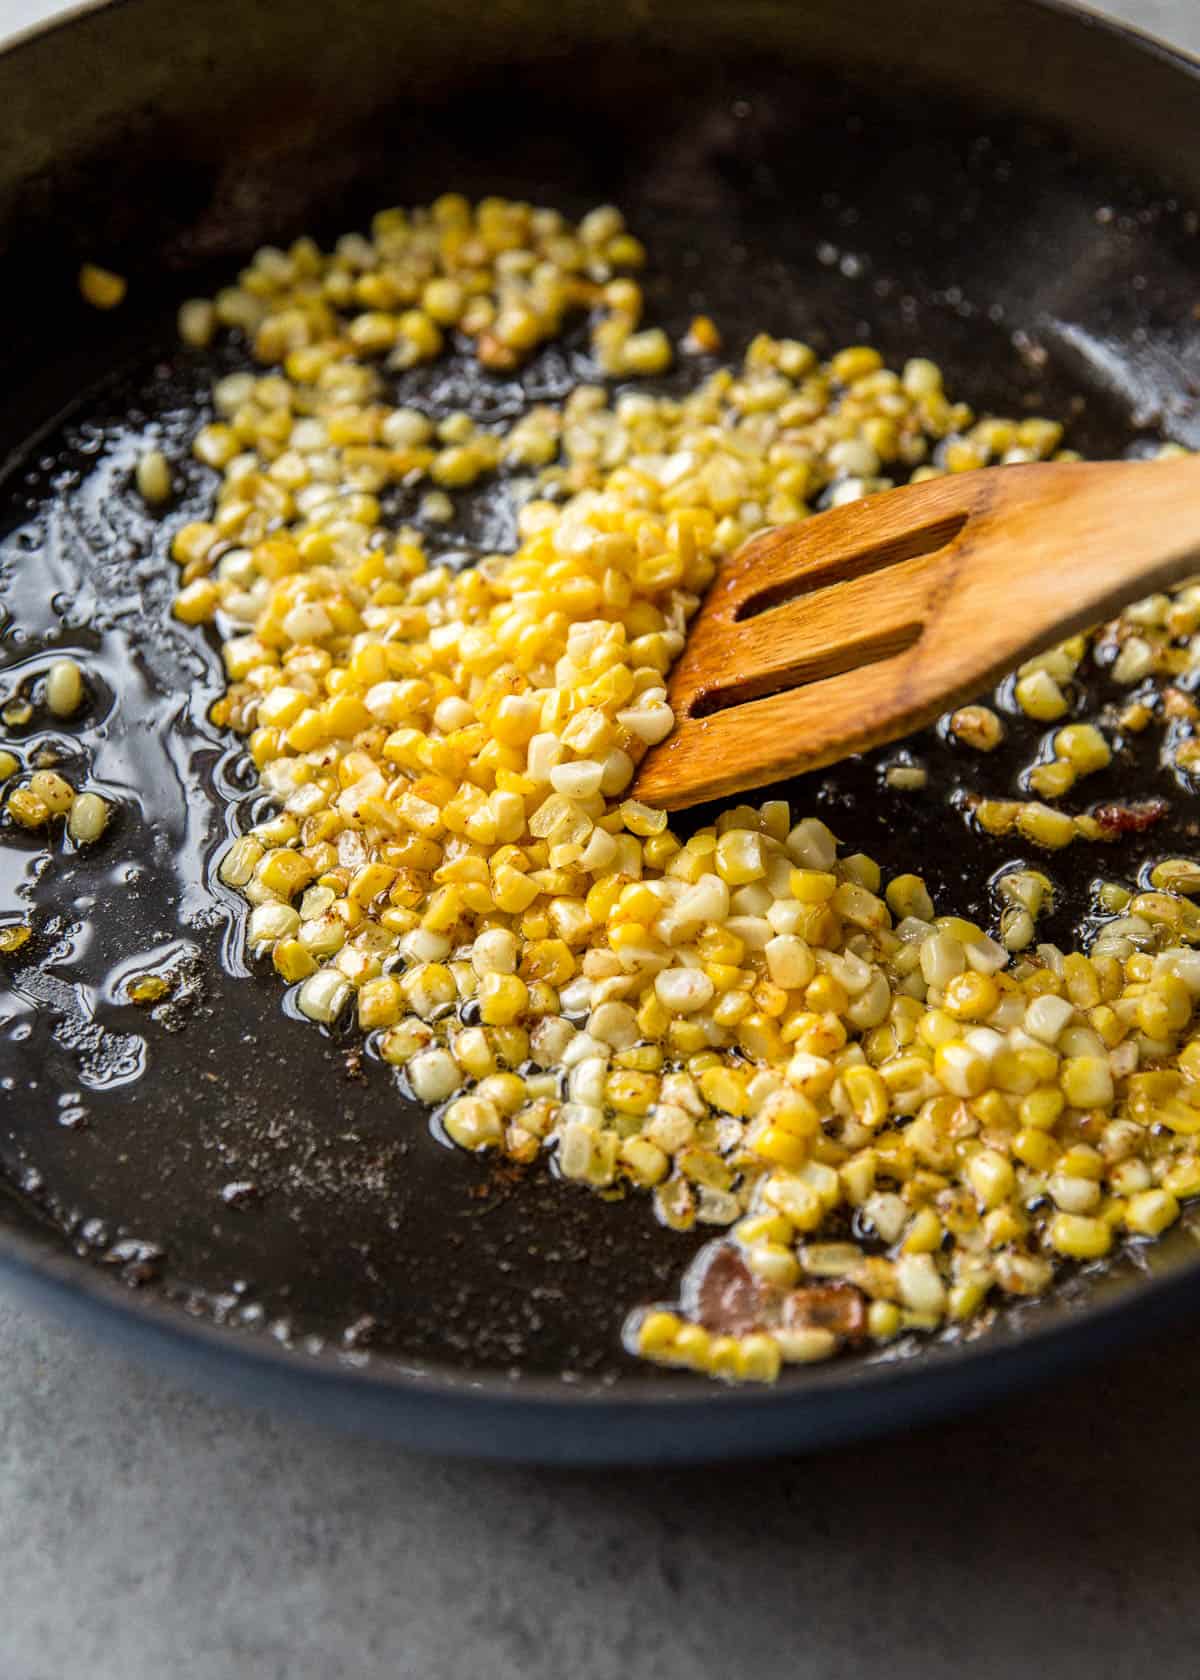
(1010,191)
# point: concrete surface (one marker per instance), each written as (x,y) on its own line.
(149,1535)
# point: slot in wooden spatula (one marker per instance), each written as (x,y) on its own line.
(837,633)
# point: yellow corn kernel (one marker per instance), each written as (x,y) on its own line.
(924,1234)
(197,602)
(644,1161)
(284,872)
(960,1069)
(1087,1082)
(812,886)
(1045,827)
(970,997)
(24,807)
(1182,1179)
(101,287)
(1083,747)
(781,1148)
(64,688)
(758,1359)
(54,791)
(380,1003)
(502,999)
(991,1177)
(868,1095)
(1036,1149)
(1149,1213)
(1079,1237)
(657,1333)
(1040,697)
(292,961)
(966,1298)
(725,1089)
(740,857)
(474,1124)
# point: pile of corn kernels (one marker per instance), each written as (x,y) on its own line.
(886,1118)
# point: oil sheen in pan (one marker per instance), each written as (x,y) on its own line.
(247,1165)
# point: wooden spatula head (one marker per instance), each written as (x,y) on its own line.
(841,632)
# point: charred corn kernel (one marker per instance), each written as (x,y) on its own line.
(64,688)
(101,287)
(997,816)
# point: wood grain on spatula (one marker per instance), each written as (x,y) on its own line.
(834,634)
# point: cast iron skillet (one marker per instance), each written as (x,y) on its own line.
(1009,191)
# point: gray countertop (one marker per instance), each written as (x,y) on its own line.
(147,1533)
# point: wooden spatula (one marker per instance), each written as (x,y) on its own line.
(840,632)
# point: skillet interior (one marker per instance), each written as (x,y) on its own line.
(772,196)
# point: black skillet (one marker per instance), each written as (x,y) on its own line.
(1006,187)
